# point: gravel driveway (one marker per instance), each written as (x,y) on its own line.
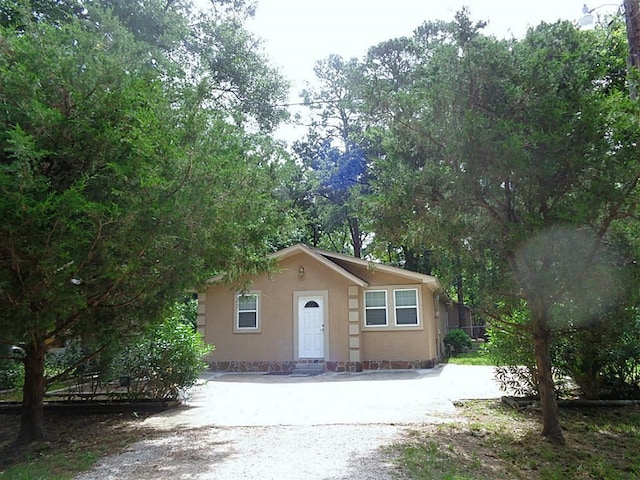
(249,426)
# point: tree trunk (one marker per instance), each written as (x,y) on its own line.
(551,429)
(356,240)
(31,421)
(632,20)
(462,320)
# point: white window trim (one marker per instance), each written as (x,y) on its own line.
(401,307)
(391,310)
(385,308)
(236,321)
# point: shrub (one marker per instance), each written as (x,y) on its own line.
(604,359)
(164,361)
(161,362)
(90,377)
(511,348)
(457,342)
(60,359)
(11,374)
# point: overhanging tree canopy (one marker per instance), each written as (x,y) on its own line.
(125,177)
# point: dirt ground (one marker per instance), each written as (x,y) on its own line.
(106,433)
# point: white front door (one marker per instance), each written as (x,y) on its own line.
(311,327)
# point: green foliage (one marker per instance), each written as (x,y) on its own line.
(186,312)
(11,374)
(60,360)
(334,165)
(163,362)
(604,358)
(509,343)
(456,342)
(601,357)
(494,154)
(123,188)
(510,348)
(126,158)
(601,349)
(78,367)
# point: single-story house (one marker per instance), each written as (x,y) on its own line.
(344,313)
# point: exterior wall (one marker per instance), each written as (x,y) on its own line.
(274,341)
(402,347)
(396,345)
(276,344)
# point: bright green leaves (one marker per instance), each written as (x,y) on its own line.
(120,186)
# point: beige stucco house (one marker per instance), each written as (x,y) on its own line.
(344,313)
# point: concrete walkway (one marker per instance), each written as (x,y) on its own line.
(408,396)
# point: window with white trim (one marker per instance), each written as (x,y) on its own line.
(375,306)
(406,306)
(247,311)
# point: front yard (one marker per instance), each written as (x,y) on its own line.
(73,444)
(496,442)
(488,440)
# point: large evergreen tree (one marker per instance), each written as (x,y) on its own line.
(128,172)
(517,156)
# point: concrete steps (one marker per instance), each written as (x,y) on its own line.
(308,369)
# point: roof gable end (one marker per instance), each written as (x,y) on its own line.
(301,248)
(400,272)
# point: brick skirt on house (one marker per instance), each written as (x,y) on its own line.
(288,366)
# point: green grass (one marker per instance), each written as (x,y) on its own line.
(474,357)
(496,442)
(52,467)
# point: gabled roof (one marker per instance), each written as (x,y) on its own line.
(334,261)
(400,272)
(317,254)
(340,264)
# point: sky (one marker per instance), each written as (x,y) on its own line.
(298,33)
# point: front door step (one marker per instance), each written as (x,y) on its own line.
(303,369)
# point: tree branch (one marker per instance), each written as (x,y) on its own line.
(85,359)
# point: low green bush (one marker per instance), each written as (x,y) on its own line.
(604,359)
(163,362)
(11,374)
(457,342)
(511,349)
